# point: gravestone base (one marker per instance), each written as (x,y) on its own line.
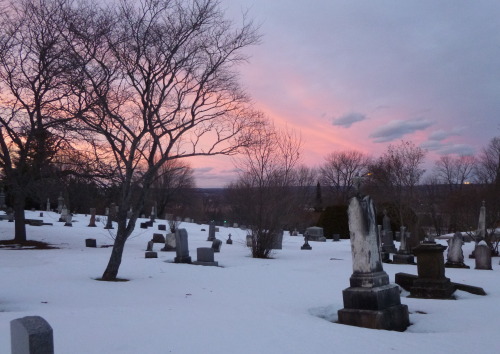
(395,318)
(182,260)
(403,259)
(386,257)
(456,265)
(151,254)
(229,242)
(432,289)
(389,248)
(306,246)
(376,308)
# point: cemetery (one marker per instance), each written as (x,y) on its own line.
(294,302)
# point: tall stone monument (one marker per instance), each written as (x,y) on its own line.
(387,238)
(370,301)
(211,231)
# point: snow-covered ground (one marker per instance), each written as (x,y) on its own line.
(287,304)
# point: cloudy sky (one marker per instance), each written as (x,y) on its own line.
(363,74)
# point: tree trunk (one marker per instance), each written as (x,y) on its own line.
(115,259)
(19,218)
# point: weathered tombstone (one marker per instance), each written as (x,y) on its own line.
(149,246)
(235,225)
(169,243)
(483,256)
(229,241)
(211,231)
(151,254)
(481,228)
(205,257)
(315,234)
(143,225)
(217,229)
(336,237)
(113,212)
(455,256)
(152,216)
(294,233)
(403,256)
(431,282)
(187,219)
(370,301)
(41,214)
(216,245)
(182,250)
(277,241)
(109,223)
(106,211)
(47,208)
(129,213)
(249,240)
(158,238)
(31,335)
(92,218)
(387,239)
(162,227)
(69,220)
(64,213)
(60,203)
(306,245)
(90,242)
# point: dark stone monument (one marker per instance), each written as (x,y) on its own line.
(277,241)
(90,242)
(144,225)
(370,301)
(151,254)
(431,282)
(31,335)
(111,217)
(315,234)
(482,254)
(162,227)
(150,246)
(181,249)
(306,245)
(216,245)
(229,241)
(92,218)
(336,237)
(205,257)
(158,238)
(211,231)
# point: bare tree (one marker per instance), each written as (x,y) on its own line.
(488,169)
(456,171)
(172,185)
(34,73)
(396,174)
(160,84)
(339,172)
(262,195)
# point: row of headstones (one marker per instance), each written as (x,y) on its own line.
(178,241)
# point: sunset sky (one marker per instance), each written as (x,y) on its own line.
(362,74)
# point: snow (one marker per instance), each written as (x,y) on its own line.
(287,304)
